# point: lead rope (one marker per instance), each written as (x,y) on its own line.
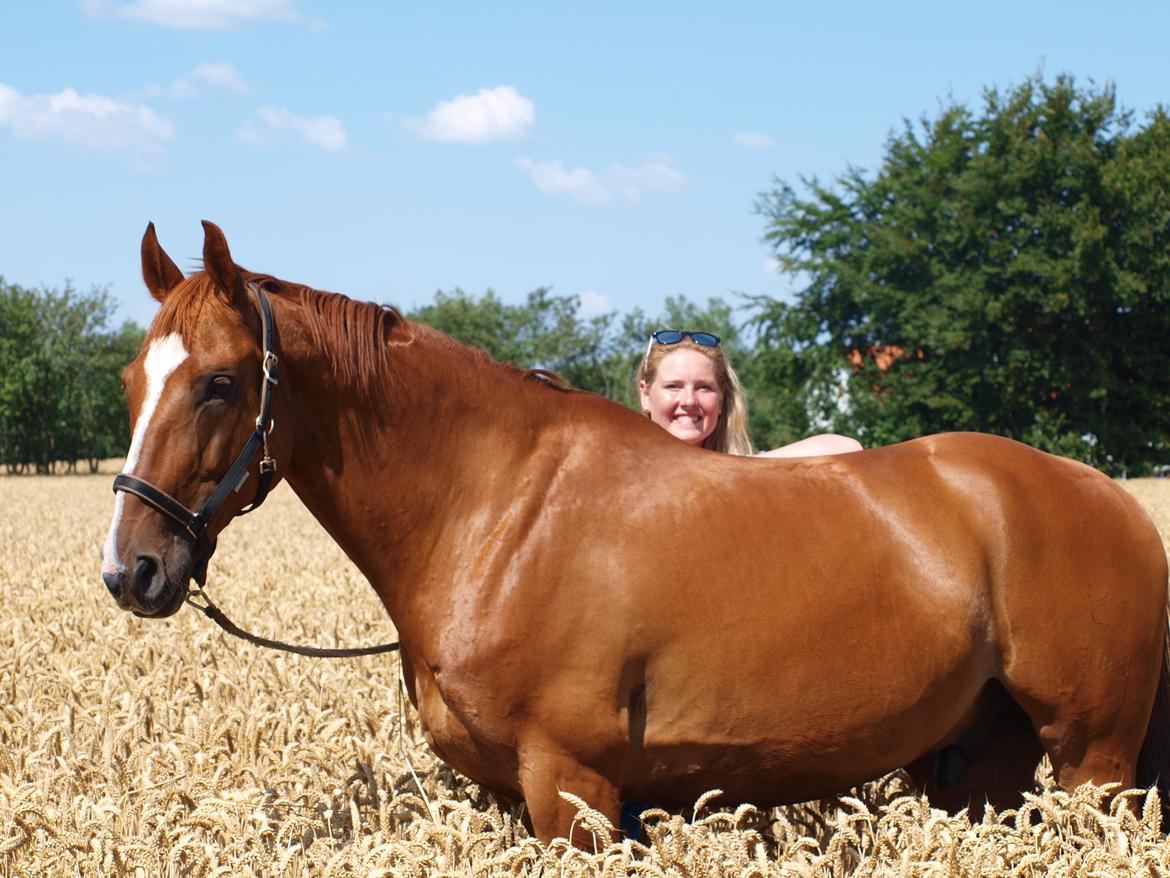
(215,614)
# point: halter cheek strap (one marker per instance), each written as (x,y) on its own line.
(195,524)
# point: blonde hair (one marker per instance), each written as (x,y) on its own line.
(730,434)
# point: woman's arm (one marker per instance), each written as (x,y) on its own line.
(825,443)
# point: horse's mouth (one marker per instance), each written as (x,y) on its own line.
(164,602)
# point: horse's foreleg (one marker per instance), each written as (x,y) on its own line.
(546,772)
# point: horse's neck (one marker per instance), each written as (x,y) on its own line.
(395,477)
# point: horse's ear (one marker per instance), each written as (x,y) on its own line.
(217,262)
(158,270)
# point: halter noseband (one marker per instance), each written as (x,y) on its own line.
(194,524)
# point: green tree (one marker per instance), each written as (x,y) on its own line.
(1004,271)
(600,353)
(61,399)
(101,417)
(545,332)
(24,376)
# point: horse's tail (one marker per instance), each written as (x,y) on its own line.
(1153,767)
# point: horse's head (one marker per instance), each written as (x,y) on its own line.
(196,392)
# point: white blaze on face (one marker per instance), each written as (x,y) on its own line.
(163,358)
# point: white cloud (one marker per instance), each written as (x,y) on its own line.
(616,182)
(488,116)
(214,74)
(90,122)
(555,179)
(195,14)
(323,132)
(593,304)
(753,140)
(219,74)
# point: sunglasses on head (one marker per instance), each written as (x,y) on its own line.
(674,336)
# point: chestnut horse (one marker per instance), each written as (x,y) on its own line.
(586,604)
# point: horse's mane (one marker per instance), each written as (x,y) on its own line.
(355,335)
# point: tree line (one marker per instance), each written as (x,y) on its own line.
(61,400)
(1005,269)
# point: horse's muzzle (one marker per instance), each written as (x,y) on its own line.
(146,590)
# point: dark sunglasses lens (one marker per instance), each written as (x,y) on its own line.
(706,339)
(668,336)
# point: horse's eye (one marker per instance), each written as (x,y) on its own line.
(219,387)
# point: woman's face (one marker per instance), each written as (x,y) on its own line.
(684,397)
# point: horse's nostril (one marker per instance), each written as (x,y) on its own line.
(144,572)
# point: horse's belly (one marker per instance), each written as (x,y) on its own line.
(678,776)
(789,737)
(793,764)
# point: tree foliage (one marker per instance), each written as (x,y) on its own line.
(599,353)
(61,397)
(544,332)
(1004,271)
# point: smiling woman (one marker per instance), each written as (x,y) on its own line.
(687,386)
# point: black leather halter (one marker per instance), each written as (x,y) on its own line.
(194,524)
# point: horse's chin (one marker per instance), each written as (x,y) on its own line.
(165,604)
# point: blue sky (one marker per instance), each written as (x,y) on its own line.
(612,151)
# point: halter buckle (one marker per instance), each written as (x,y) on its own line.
(269,367)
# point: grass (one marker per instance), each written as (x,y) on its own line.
(139,747)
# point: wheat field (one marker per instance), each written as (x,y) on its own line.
(141,747)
